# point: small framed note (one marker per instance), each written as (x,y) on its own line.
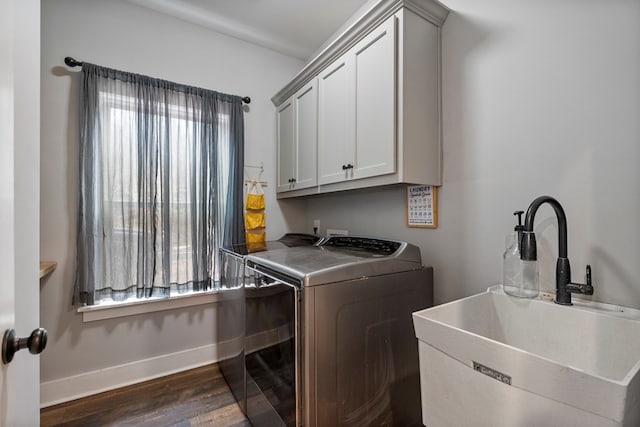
(422,206)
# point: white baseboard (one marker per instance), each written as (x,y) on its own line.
(94,382)
(88,383)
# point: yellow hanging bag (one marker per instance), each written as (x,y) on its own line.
(255,202)
(254,220)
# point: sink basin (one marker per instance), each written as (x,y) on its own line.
(494,360)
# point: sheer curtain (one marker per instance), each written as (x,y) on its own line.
(160,185)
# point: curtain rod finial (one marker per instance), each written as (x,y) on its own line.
(72,62)
(246,100)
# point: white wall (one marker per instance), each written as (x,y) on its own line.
(120,35)
(539,97)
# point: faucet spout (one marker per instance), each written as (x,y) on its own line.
(560,215)
(528,250)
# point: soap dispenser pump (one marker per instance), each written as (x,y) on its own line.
(519,278)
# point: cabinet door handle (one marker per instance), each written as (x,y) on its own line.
(349,166)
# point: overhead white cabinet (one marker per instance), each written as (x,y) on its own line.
(297,120)
(306,104)
(286,146)
(375,65)
(336,120)
(356,132)
(378,103)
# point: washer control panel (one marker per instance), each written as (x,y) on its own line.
(364,244)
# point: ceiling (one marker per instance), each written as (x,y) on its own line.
(292,27)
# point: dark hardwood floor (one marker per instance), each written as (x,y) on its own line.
(199,397)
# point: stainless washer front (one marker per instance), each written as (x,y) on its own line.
(362,363)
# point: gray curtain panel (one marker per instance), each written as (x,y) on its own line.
(160,185)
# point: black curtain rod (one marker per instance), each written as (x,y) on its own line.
(73,63)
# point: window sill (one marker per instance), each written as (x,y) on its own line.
(131,308)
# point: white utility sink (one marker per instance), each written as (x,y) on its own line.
(495,360)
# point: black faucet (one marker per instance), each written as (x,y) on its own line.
(528,251)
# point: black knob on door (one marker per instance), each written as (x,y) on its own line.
(36,342)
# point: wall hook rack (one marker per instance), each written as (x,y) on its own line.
(259,180)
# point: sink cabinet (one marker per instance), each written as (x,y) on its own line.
(528,362)
(297,139)
(378,117)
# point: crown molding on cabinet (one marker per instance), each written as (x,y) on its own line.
(430,10)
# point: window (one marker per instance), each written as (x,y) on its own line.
(160,186)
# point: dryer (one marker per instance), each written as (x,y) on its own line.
(238,312)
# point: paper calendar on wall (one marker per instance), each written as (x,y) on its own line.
(422,206)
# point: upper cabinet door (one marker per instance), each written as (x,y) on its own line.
(336,120)
(375,73)
(286,146)
(306,110)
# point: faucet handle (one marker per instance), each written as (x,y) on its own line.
(586,289)
(519,213)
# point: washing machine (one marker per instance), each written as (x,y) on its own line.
(342,350)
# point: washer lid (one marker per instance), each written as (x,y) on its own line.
(339,258)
